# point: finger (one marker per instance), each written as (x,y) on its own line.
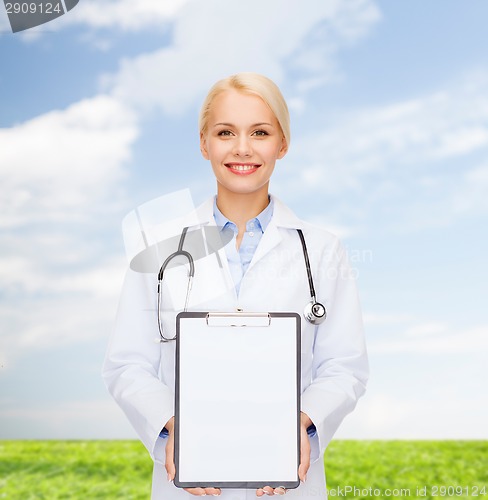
(213,491)
(196,491)
(303,468)
(281,490)
(304,455)
(268,490)
(260,492)
(170,460)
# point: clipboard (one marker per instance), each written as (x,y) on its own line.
(237,400)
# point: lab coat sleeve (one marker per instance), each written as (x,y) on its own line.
(131,365)
(340,365)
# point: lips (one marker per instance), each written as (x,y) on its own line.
(242,168)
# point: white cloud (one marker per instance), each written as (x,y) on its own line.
(92,419)
(398,139)
(410,165)
(339,230)
(425,375)
(449,196)
(382,415)
(470,196)
(63,167)
(53,164)
(49,310)
(100,280)
(433,339)
(372,319)
(126,15)
(4,22)
(478,175)
(215,38)
(123,15)
(60,171)
(426,329)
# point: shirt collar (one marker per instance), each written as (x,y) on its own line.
(263,219)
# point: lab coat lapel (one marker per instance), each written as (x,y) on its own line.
(271,238)
(283,217)
(203,216)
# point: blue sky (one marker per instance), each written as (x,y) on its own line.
(389,104)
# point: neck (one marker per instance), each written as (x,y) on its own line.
(239,208)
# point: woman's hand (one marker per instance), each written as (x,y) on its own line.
(305,423)
(170,463)
(267,490)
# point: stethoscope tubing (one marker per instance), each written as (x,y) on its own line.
(314,313)
(191,274)
(307,265)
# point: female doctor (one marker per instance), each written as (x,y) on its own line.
(244,130)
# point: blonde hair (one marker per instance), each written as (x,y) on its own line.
(254,84)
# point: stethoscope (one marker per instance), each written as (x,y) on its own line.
(314,311)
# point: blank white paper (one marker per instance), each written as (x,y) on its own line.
(238,402)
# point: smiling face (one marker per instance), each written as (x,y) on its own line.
(243,140)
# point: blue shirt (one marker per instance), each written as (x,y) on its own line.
(239,260)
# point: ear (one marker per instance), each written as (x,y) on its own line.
(283,150)
(203,146)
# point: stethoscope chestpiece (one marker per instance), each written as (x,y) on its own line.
(315,313)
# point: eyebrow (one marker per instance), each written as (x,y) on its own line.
(232,125)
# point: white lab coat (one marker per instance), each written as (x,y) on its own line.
(139,373)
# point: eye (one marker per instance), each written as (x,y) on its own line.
(260,133)
(224,133)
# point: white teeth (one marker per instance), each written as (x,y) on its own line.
(242,168)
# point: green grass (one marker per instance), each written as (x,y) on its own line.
(408,465)
(122,469)
(74,469)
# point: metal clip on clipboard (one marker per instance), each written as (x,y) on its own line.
(235,319)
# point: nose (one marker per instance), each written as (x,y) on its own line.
(242,146)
